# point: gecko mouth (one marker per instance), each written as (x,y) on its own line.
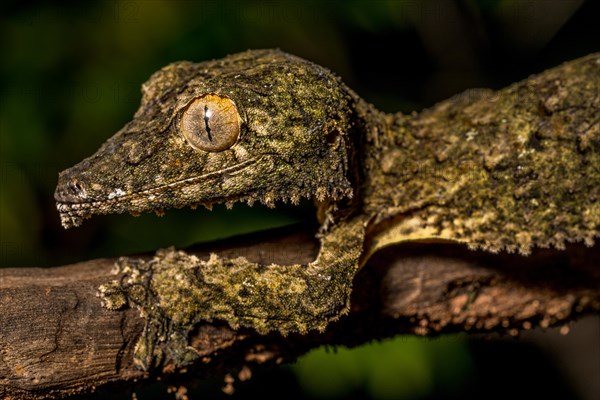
(73,210)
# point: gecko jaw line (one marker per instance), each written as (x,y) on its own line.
(68,208)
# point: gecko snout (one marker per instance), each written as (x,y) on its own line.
(73,190)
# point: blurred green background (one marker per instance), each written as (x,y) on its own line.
(70,77)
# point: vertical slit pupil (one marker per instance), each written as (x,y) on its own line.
(206,118)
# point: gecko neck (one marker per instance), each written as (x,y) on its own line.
(383,139)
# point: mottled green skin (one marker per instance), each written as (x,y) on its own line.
(504,170)
(148,165)
(174,291)
(507,170)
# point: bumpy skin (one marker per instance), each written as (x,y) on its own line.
(507,170)
(501,171)
(148,165)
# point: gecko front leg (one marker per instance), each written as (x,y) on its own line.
(175,290)
(262,126)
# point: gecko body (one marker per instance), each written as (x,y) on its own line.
(501,171)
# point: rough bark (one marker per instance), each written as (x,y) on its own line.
(57,340)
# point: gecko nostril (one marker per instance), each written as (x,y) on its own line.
(76,187)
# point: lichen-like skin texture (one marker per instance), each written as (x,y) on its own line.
(501,171)
(149,165)
(174,291)
(506,170)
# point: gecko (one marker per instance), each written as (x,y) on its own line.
(506,170)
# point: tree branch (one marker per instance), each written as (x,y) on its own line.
(57,340)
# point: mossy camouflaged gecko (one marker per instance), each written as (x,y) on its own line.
(501,171)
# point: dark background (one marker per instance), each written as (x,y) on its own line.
(70,77)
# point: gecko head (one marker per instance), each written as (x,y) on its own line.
(255,126)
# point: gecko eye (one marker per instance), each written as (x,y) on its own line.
(211,123)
